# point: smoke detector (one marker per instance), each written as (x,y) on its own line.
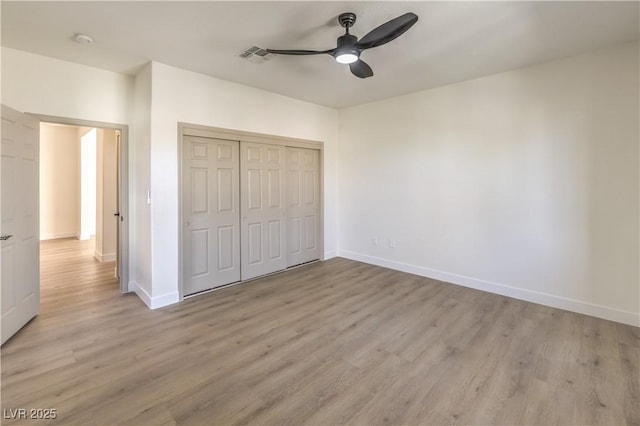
(82,38)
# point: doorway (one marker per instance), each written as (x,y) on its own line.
(84,191)
(20,228)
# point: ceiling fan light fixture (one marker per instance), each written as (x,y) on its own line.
(347,56)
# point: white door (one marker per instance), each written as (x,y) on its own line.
(211,229)
(303,205)
(117,213)
(263,209)
(19,229)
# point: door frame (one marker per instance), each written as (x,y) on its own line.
(123,189)
(187,129)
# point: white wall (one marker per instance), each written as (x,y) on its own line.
(523,183)
(140,211)
(88,145)
(42,85)
(58,182)
(183,96)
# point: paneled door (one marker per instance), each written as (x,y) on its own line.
(263,209)
(211,215)
(303,205)
(20,221)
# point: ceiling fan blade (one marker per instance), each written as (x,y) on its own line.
(300,52)
(387,31)
(360,69)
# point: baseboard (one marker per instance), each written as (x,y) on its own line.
(578,306)
(102,258)
(329,254)
(157,301)
(57,236)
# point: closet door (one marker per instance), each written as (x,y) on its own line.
(211,237)
(263,209)
(303,205)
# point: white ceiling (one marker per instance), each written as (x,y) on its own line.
(452,41)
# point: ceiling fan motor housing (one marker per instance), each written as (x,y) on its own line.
(347,40)
(346,46)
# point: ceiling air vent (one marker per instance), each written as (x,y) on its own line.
(255,54)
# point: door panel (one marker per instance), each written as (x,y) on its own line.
(20,253)
(253,189)
(226,247)
(310,233)
(275,198)
(199,252)
(293,235)
(274,155)
(225,152)
(263,209)
(293,187)
(225,190)
(254,247)
(8,275)
(275,243)
(199,190)
(211,237)
(309,188)
(303,205)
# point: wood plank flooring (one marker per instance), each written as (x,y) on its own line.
(335,342)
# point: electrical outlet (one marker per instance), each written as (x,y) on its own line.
(374,241)
(392,243)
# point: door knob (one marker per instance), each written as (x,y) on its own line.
(5,237)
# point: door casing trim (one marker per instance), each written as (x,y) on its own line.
(123,189)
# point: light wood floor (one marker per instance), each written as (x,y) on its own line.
(329,343)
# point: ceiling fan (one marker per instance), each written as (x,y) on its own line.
(349,48)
